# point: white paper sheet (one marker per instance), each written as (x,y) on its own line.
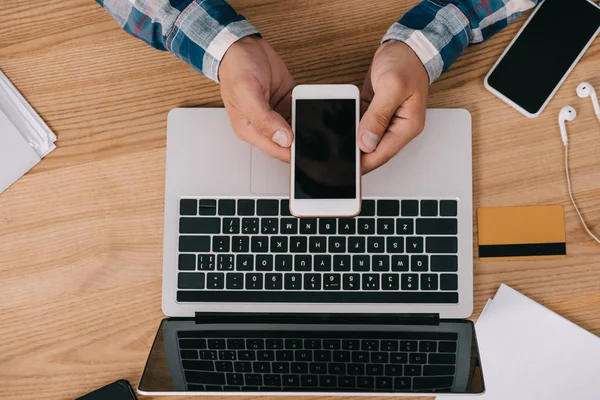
(529,353)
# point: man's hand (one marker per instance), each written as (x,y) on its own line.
(256,88)
(393,100)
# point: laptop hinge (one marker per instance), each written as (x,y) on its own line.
(305,318)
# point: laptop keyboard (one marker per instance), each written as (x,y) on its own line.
(253,250)
(314,361)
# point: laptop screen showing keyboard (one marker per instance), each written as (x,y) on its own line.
(436,358)
(253,250)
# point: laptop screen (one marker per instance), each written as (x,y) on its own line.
(317,358)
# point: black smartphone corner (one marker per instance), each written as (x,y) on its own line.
(119,390)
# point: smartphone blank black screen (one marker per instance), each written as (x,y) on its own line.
(544,52)
(325,149)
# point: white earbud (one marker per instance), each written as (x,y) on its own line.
(567,113)
(586,90)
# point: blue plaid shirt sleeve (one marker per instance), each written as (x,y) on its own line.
(438,31)
(198,32)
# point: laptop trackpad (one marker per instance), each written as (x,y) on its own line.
(269,176)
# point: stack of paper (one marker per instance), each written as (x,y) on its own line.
(528,352)
(24,137)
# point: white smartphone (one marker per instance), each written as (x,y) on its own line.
(325,166)
(544,52)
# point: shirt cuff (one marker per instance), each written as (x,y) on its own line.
(437,34)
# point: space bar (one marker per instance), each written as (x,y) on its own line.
(315,297)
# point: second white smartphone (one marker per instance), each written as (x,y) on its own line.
(325,164)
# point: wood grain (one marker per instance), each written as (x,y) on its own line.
(81,234)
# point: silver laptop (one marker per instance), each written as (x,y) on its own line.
(244,282)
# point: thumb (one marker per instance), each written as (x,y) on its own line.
(380,112)
(264,119)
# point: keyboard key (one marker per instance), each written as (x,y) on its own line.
(398,358)
(208,207)
(417,358)
(404,226)
(369,345)
(341,356)
(448,282)
(350,344)
(283,263)
(298,244)
(215,280)
(447,347)
(231,226)
(408,345)
(374,369)
(429,208)
(327,226)
(448,208)
(279,244)
(381,263)
(288,226)
(351,282)
(399,263)
(328,381)
(366,226)
(273,281)
(332,281)
(410,208)
(235,281)
(394,370)
(384,383)
(194,244)
(347,226)
(379,357)
(208,354)
(388,208)
(302,263)
(419,263)
(245,207)
(217,344)
(428,383)
(273,344)
(240,244)
(246,355)
(370,282)
(312,281)
(322,355)
(242,366)
(412,370)
(235,344)
(189,354)
(253,380)
(285,208)
(337,244)
(395,244)
(367,208)
(272,380)
(337,369)
(210,378)
(390,282)
(437,226)
(363,356)
(409,282)
(250,226)
(269,226)
(244,262)
(444,263)
(341,263)
(260,244)
(188,207)
(375,244)
(264,262)
(265,355)
(313,344)
(355,369)
(308,226)
(220,244)
(226,207)
(427,347)
(389,345)
(429,282)
(322,263)
(285,355)
(299,368)
(261,367)
(415,244)
(293,281)
(227,355)
(267,207)
(442,245)
(199,225)
(317,244)
(317,368)
(206,262)
(254,281)
(356,244)
(223,366)
(303,355)
(332,344)
(309,380)
(361,263)
(187,262)
(190,280)
(438,370)
(235,379)
(281,367)
(225,262)
(346,382)
(402,383)
(365,382)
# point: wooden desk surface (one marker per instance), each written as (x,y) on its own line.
(81,234)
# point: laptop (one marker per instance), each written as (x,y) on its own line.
(259,300)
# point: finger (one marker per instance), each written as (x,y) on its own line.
(256,108)
(401,131)
(377,118)
(246,131)
(284,107)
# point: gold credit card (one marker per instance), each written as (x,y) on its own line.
(521,233)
